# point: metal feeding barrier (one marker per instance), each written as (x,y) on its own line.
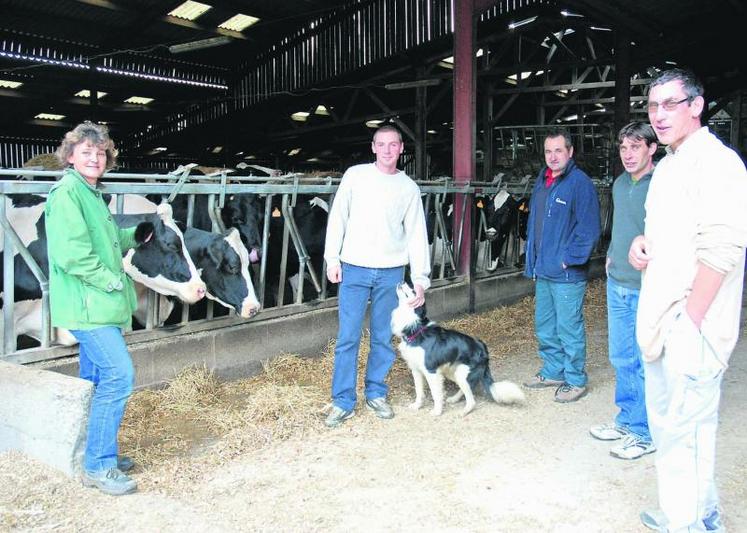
(292,188)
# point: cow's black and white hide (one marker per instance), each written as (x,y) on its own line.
(501,216)
(434,354)
(223,263)
(161,264)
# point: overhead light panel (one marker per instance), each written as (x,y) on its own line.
(238,22)
(217,149)
(7,84)
(49,116)
(300,116)
(142,100)
(321,110)
(294,151)
(85,93)
(373,123)
(567,13)
(199,45)
(190,10)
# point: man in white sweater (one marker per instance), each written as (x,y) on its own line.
(692,259)
(376,226)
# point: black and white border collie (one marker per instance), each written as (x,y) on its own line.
(434,353)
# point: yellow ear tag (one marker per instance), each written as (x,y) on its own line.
(276,213)
(479,204)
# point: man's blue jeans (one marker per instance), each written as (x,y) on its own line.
(358,285)
(105,361)
(625,358)
(559,325)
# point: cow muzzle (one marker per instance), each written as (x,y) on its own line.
(249,309)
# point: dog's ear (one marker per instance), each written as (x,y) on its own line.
(420,311)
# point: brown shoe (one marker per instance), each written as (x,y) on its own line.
(568,393)
(540,382)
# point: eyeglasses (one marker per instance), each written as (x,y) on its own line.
(668,105)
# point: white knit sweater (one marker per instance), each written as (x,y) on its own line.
(695,213)
(377,221)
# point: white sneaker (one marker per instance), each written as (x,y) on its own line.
(632,447)
(608,432)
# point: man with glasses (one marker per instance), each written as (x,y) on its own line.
(692,259)
(637,143)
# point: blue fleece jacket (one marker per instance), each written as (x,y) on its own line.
(570,229)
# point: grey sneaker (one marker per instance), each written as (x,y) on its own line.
(112,481)
(632,447)
(568,393)
(124,463)
(608,432)
(380,407)
(337,416)
(654,520)
(538,381)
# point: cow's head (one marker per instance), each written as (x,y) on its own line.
(223,261)
(245,212)
(163,263)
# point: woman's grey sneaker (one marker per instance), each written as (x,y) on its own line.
(112,481)
(632,447)
(538,381)
(608,432)
(337,416)
(568,393)
(380,407)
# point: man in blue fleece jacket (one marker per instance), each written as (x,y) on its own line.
(562,230)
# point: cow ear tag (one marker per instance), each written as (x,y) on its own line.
(276,213)
(479,204)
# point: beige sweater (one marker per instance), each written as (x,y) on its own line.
(696,211)
(377,221)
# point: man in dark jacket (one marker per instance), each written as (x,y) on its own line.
(562,230)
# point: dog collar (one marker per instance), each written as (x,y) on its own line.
(410,338)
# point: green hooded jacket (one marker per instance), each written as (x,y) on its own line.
(88,287)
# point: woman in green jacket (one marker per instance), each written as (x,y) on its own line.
(91,295)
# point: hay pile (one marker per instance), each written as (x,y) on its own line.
(196,421)
(45,161)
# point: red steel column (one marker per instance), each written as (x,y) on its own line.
(464,119)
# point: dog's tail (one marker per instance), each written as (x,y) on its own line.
(501,391)
(506,392)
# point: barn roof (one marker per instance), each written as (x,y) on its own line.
(332,61)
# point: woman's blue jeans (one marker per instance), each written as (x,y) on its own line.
(625,358)
(359,284)
(559,324)
(104,361)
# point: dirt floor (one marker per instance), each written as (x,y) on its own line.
(254,455)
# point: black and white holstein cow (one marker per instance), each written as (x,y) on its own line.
(223,262)
(162,264)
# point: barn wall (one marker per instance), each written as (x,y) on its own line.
(235,348)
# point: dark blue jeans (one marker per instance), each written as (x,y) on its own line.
(359,284)
(105,361)
(625,358)
(559,325)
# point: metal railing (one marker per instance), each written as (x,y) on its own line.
(290,188)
